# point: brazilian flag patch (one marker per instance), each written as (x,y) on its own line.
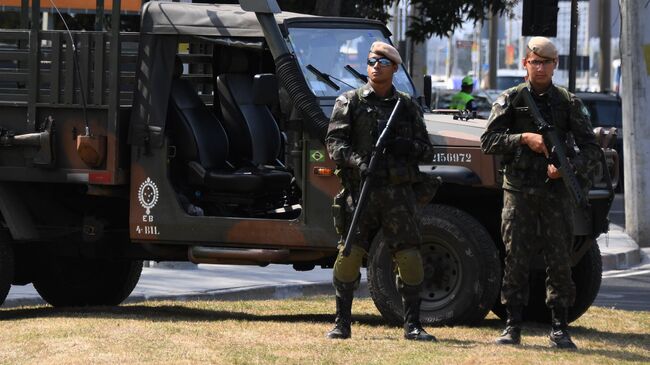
(316,155)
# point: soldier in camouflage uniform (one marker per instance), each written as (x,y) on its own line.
(358,118)
(537,210)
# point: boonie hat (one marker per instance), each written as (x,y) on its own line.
(542,47)
(386,50)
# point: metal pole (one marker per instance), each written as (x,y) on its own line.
(449,61)
(605,69)
(24,14)
(573,45)
(99,15)
(33,63)
(494,46)
(114,74)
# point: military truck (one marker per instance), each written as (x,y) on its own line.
(200,139)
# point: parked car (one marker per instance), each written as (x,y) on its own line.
(604,110)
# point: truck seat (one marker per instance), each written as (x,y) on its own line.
(253,132)
(202,144)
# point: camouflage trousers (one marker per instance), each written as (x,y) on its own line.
(530,223)
(391,208)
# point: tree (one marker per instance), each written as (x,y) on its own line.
(438,17)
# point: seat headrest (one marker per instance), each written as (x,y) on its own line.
(265,89)
(233,61)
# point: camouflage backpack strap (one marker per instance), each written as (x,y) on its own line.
(564,94)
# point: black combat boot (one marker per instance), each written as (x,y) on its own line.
(344,296)
(412,327)
(559,336)
(512,334)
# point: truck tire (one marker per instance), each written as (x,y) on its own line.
(461,271)
(587,276)
(74,282)
(6,270)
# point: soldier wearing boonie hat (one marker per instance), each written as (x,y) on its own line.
(358,118)
(534,195)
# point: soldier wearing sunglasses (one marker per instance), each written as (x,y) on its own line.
(358,118)
(537,210)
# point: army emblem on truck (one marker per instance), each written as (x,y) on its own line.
(148,198)
(148,195)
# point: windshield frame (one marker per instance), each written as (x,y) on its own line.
(339,24)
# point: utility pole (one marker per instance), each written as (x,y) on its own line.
(573,46)
(494,46)
(635,61)
(604,23)
(477,40)
(449,62)
(418,57)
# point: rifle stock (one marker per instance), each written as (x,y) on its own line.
(556,147)
(377,154)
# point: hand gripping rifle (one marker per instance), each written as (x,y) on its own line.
(377,154)
(556,148)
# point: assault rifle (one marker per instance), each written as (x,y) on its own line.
(377,154)
(556,147)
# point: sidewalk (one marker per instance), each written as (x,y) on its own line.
(618,250)
(234,282)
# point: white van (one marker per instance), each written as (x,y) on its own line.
(506,78)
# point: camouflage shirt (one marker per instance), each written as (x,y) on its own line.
(526,170)
(358,119)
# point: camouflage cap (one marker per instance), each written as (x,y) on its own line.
(386,50)
(542,47)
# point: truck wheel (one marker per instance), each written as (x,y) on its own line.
(72,282)
(587,276)
(6,270)
(461,270)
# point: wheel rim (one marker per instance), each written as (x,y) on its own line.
(443,275)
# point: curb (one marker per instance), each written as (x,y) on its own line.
(618,251)
(244,293)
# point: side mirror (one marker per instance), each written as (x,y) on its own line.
(427,91)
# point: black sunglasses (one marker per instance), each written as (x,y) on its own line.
(382,61)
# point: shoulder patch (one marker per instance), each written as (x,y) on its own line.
(500,101)
(342,100)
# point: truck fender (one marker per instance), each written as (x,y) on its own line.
(15,214)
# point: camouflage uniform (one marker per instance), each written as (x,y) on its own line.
(537,212)
(357,120)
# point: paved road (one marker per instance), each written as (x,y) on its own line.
(629,289)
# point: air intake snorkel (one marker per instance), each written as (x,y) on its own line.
(287,68)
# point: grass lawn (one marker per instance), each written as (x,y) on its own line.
(292,331)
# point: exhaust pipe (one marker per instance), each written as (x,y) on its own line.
(41,140)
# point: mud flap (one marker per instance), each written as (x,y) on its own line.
(15,214)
